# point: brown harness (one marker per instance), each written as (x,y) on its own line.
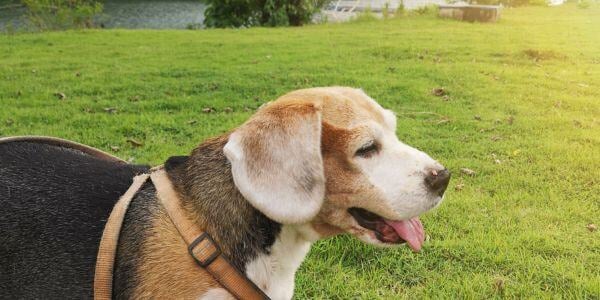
(201,246)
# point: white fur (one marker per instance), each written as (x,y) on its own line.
(398,171)
(217,294)
(275,273)
(294,156)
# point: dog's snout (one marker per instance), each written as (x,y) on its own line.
(437,181)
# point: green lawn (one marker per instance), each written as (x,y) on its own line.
(522,111)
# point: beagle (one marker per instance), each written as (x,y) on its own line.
(312,164)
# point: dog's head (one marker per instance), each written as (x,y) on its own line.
(329,157)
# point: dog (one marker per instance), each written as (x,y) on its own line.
(313,164)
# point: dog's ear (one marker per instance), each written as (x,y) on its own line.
(276,161)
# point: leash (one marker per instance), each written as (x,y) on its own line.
(201,246)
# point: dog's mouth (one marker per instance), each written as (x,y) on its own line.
(389,231)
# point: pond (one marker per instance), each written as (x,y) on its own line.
(155,14)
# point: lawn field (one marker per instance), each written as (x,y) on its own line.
(522,110)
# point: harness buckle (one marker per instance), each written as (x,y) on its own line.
(204,250)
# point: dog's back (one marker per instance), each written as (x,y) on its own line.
(54,202)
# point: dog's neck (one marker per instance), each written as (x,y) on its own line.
(267,252)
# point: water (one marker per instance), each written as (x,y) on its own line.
(155,14)
(152,14)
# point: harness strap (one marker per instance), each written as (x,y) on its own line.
(201,246)
(103,276)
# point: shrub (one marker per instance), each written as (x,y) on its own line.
(62,14)
(584,4)
(246,13)
(512,3)
(426,10)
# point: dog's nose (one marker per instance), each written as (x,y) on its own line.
(437,181)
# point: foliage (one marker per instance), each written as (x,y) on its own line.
(522,112)
(584,4)
(364,16)
(512,3)
(247,13)
(400,11)
(62,14)
(431,10)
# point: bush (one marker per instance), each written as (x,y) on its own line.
(583,4)
(246,13)
(62,14)
(512,3)
(426,10)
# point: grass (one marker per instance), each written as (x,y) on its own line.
(522,112)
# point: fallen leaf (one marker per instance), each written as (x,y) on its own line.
(583,85)
(496,138)
(60,96)
(459,187)
(510,120)
(496,160)
(591,227)
(477,117)
(134,142)
(110,110)
(134,98)
(467,171)
(443,121)
(439,92)
(131,159)
(115,148)
(446,97)
(228,109)
(499,284)
(192,122)
(208,110)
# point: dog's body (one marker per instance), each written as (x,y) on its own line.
(53,205)
(301,169)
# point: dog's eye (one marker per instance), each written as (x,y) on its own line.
(367,150)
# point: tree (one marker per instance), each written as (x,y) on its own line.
(246,13)
(62,14)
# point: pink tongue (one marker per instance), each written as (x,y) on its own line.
(411,231)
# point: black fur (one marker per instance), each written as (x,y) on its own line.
(206,182)
(54,203)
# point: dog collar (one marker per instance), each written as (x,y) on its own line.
(203,249)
